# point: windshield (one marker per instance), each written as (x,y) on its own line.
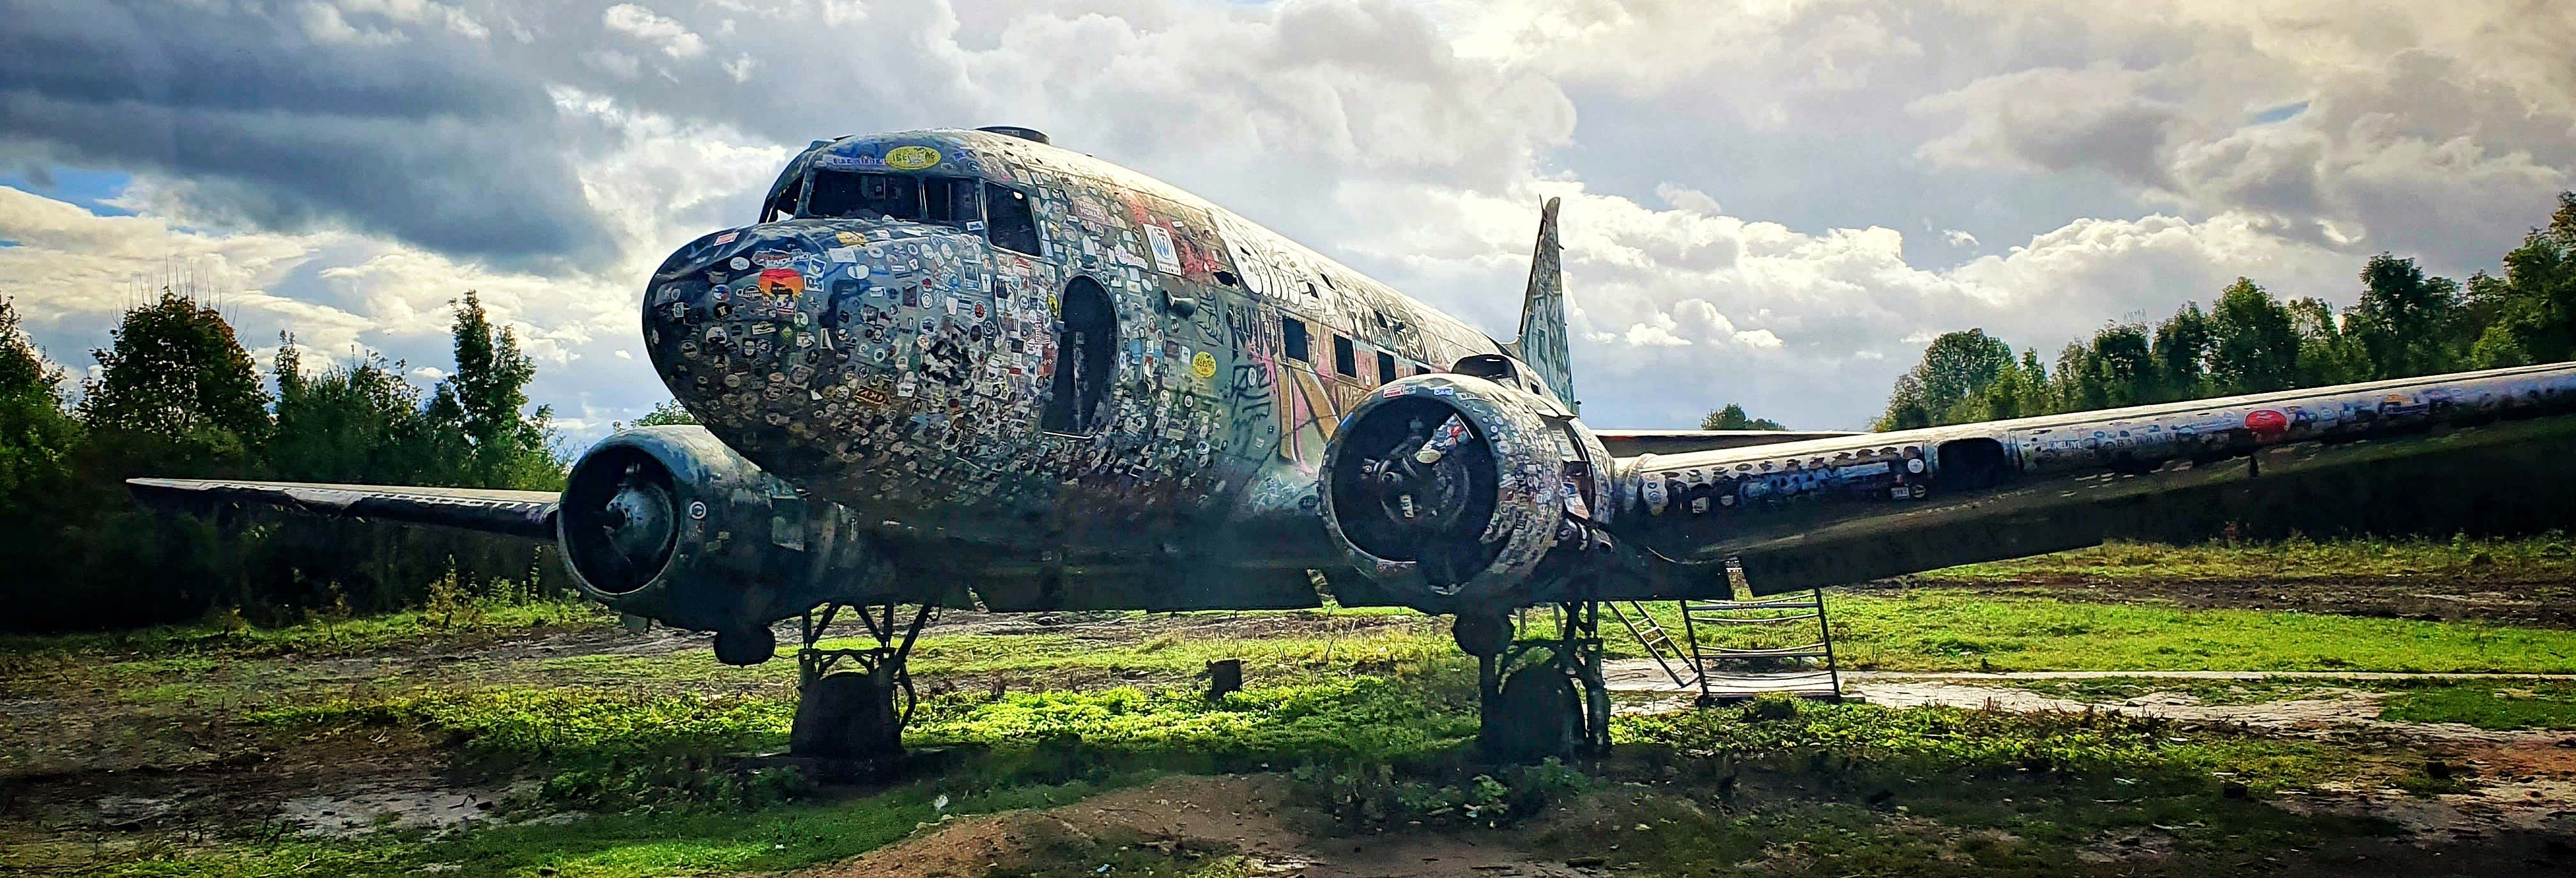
(847,194)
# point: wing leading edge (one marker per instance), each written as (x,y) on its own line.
(528,514)
(2394,454)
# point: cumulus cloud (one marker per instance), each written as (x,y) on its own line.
(642,24)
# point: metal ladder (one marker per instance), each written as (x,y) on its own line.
(1737,651)
(1732,649)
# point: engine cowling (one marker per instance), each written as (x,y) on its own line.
(1451,490)
(670,524)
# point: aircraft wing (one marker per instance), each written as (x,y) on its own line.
(2409,453)
(529,514)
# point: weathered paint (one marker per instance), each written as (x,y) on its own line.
(901,368)
(876,393)
(1848,508)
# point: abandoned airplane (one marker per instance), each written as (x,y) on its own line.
(957,368)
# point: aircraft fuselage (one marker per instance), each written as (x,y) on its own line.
(975,337)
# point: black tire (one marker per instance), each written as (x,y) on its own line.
(846,716)
(1536,715)
(1482,635)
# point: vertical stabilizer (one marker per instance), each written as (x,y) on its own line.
(1542,340)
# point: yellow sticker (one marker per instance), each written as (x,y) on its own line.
(852,239)
(1203,365)
(911,158)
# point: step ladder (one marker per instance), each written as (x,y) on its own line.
(1739,647)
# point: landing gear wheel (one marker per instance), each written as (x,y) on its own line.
(1482,635)
(1536,715)
(749,646)
(849,715)
(855,715)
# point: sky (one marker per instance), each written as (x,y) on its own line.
(1772,203)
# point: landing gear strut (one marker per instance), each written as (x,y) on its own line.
(1552,706)
(854,713)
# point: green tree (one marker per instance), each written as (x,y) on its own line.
(1905,407)
(2180,350)
(36,437)
(2117,367)
(175,372)
(483,404)
(2404,320)
(2254,341)
(356,422)
(1956,367)
(2018,391)
(670,411)
(2533,305)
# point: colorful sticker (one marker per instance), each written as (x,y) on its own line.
(781,281)
(1166,257)
(911,158)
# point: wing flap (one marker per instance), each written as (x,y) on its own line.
(528,514)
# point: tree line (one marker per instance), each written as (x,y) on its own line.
(176,395)
(2407,323)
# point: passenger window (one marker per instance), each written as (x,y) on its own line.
(1292,336)
(1345,360)
(1008,220)
(1385,367)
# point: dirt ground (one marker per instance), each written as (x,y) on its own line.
(1195,817)
(87,767)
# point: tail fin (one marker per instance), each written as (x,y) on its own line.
(1542,342)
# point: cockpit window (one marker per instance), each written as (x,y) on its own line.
(956,201)
(1009,221)
(844,194)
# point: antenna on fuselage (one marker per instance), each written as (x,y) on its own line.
(1029,134)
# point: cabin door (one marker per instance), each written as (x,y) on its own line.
(1086,358)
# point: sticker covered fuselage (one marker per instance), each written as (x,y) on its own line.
(972,336)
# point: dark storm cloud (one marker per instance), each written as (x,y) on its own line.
(407,132)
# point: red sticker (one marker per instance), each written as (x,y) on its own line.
(781,281)
(2267,424)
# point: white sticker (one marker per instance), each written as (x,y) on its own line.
(843,254)
(739,263)
(1166,257)
(698,510)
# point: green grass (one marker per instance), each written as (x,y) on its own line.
(1856,789)
(407,629)
(2102,690)
(1943,630)
(637,844)
(2549,556)
(647,757)
(1354,718)
(2494,704)
(1862,741)
(1380,648)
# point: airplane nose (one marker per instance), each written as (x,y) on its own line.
(810,347)
(742,326)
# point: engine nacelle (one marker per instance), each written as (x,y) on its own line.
(670,524)
(1451,489)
